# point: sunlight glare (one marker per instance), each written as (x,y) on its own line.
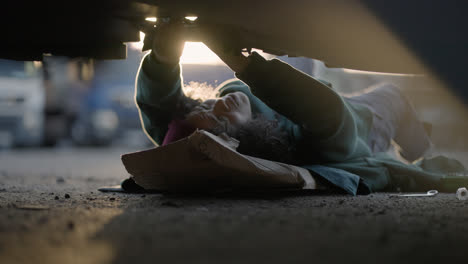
(198,53)
(194,52)
(151,19)
(138,45)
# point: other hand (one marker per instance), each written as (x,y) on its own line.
(232,56)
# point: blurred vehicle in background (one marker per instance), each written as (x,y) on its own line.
(38,100)
(22,104)
(66,81)
(107,110)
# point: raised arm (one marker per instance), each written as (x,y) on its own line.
(159,85)
(158,90)
(327,123)
(300,97)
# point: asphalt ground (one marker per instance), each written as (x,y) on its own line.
(51,212)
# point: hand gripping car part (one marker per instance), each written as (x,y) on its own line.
(428,194)
(462,194)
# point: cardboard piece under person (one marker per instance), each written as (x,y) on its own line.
(204,161)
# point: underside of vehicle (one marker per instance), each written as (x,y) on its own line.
(374,35)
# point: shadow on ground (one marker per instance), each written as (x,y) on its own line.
(288,229)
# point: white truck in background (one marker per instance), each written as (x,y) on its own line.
(22,102)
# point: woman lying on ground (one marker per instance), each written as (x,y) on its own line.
(281,114)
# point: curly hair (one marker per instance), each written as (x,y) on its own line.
(184,106)
(263,138)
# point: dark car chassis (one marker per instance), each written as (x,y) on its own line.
(374,35)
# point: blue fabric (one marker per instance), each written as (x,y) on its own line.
(346,181)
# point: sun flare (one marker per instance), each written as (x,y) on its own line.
(194,52)
(198,53)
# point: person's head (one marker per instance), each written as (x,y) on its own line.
(226,113)
(232,114)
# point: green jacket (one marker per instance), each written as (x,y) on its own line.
(330,132)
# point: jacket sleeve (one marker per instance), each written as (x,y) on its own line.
(325,120)
(158,90)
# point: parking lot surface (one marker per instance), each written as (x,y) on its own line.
(51,212)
